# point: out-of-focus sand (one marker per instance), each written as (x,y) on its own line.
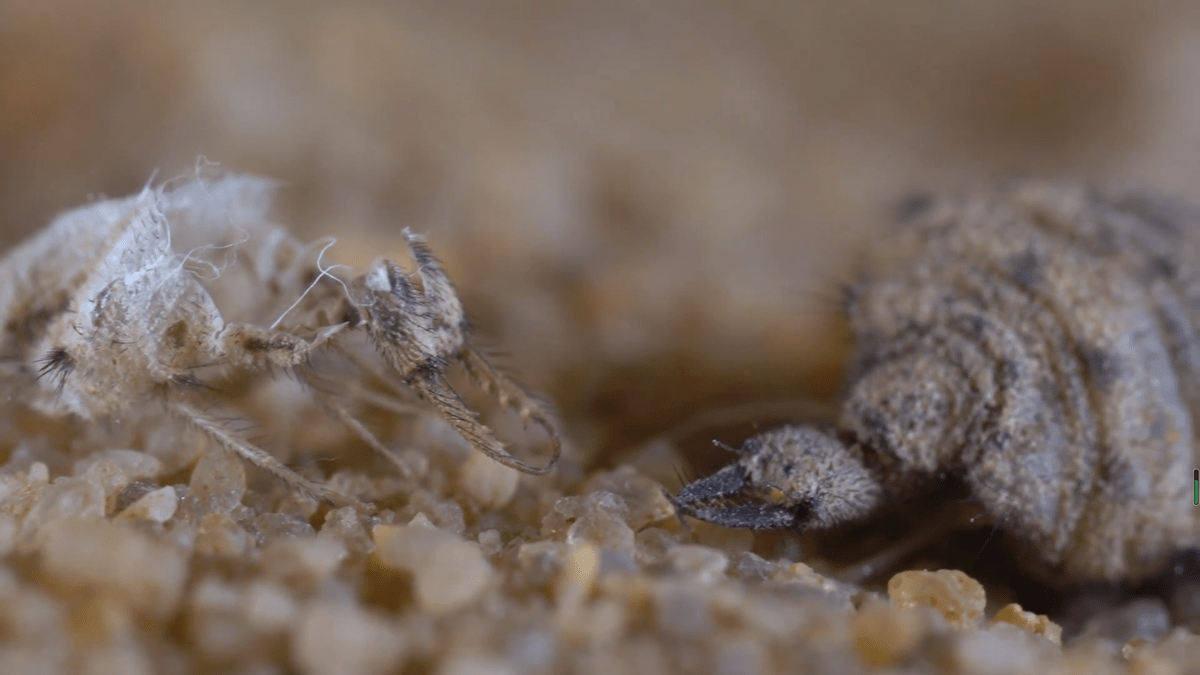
(648,204)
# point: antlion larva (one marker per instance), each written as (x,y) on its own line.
(1037,341)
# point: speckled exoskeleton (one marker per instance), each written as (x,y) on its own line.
(114,308)
(1038,341)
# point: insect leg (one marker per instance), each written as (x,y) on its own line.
(511,396)
(962,517)
(466,423)
(257,456)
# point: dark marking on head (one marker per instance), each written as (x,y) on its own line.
(398,281)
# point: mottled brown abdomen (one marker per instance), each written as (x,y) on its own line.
(1041,341)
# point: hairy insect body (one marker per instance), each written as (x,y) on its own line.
(1038,341)
(115,305)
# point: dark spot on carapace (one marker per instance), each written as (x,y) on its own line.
(1104,368)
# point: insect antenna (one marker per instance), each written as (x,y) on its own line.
(511,395)
(726,447)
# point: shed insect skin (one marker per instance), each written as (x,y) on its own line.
(1038,341)
(115,318)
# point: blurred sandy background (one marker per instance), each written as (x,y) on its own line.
(646,203)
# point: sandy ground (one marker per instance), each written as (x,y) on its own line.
(647,206)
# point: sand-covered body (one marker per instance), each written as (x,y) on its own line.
(1041,340)
(1036,340)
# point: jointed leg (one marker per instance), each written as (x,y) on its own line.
(466,423)
(258,457)
(511,396)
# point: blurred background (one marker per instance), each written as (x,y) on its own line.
(647,204)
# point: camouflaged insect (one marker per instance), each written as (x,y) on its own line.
(112,309)
(1041,343)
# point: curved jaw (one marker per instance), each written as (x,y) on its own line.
(726,498)
(793,477)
